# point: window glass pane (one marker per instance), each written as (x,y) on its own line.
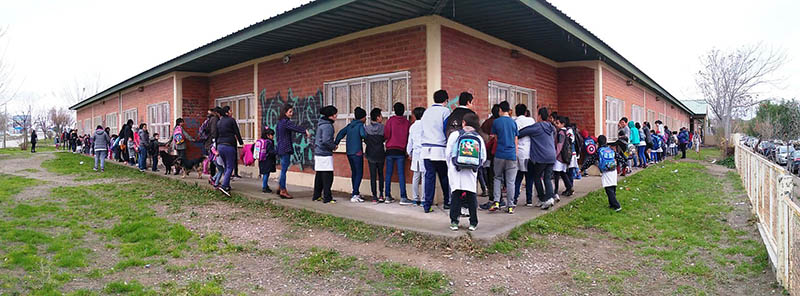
(355,97)
(241,109)
(340,99)
(339,124)
(399,91)
(379,91)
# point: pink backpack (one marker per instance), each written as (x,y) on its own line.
(247,155)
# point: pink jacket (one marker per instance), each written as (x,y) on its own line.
(396,132)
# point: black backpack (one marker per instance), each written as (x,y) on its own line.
(566,150)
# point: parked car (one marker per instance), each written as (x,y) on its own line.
(781,154)
(794,162)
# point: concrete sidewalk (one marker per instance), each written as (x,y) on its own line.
(491,226)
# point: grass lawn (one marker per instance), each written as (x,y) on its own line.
(673,212)
(705,154)
(17,152)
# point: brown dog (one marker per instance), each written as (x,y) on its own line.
(191,165)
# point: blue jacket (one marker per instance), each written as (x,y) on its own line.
(355,133)
(543,149)
(634,136)
(683,137)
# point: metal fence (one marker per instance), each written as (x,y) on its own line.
(769,188)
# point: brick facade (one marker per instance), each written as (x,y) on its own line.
(195,103)
(576,96)
(469,63)
(161,91)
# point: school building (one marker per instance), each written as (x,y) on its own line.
(372,53)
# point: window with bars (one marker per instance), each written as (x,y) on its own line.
(499,92)
(87,126)
(158,120)
(243,109)
(132,114)
(614,110)
(651,116)
(637,113)
(368,92)
(662,117)
(98,120)
(111,122)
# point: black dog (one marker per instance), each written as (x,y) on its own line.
(189,165)
(168,160)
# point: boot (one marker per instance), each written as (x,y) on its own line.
(284,194)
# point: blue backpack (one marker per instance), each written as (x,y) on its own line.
(467,151)
(606,159)
(656,141)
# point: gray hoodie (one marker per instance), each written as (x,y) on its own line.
(543,149)
(101,140)
(323,140)
(144,138)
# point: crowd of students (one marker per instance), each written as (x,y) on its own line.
(453,145)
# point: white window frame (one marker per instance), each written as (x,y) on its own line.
(497,88)
(87,126)
(131,113)
(160,111)
(615,108)
(651,116)
(662,118)
(637,113)
(97,120)
(365,82)
(112,122)
(233,102)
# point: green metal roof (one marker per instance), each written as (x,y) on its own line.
(698,107)
(535,25)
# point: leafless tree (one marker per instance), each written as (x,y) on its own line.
(729,81)
(41,121)
(81,88)
(24,121)
(60,119)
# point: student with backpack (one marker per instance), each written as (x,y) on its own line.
(683,141)
(414,150)
(563,157)
(323,155)
(264,152)
(396,134)
(505,158)
(178,140)
(656,149)
(376,155)
(607,161)
(466,152)
(433,150)
(152,150)
(354,131)
(206,134)
(525,168)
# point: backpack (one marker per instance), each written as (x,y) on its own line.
(606,159)
(260,150)
(566,150)
(467,153)
(177,135)
(591,145)
(202,136)
(656,141)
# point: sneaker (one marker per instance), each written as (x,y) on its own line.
(264,190)
(405,201)
(429,210)
(454,226)
(530,205)
(618,209)
(356,199)
(546,205)
(446,207)
(388,199)
(95,169)
(569,192)
(102,170)
(495,207)
(359,198)
(557,198)
(333,201)
(511,210)
(224,191)
(418,203)
(473,227)
(538,204)
(486,206)
(268,190)
(483,194)
(379,199)
(502,203)
(141,170)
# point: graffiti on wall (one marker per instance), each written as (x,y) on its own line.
(306,115)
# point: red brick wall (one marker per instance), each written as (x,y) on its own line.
(236,82)
(301,80)
(158,92)
(469,63)
(107,106)
(576,96)
(195,103)
(615,86)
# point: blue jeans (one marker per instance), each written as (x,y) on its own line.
(284,168)
(433,168)
(528,184)
(357,171)
(228,154)
(400,161)
(264,179)
(142,158)
(100,156)
(155,161)
(641,150)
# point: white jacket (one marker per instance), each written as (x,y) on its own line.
(524,145)
(432,138)
(466,180)
(414,146)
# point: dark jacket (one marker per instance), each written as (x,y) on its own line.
(323,138)
(683,137)
(542,139)
(592,159)
(211,131)
(354,133)
(34,138)
(228,132)
(375,150)
(453,122)
(144,138)
(126,133)
(284,131)
(267,165)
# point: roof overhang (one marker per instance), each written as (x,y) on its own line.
(535,25)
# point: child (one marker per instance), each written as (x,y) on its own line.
(563,158)
(323,155)
(179,138)
(217,160)
(414,148)
(505,158)
(264,152)
(462,179)
(376,154)
(354,131)
(153,151)
(607,160)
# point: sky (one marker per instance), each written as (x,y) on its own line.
(53,44)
